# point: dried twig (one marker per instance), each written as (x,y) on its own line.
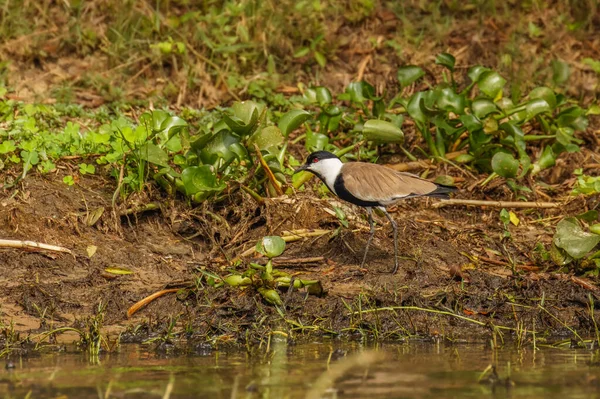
(31,245)
(498,204)
(141,303)
(268,171)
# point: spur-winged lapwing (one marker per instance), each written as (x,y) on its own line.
(371,186)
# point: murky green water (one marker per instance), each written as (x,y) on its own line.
(327,370)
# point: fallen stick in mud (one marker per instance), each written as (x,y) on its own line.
(143,302)
(31,245)
(497,204)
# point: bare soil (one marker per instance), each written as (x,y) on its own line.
(454,260)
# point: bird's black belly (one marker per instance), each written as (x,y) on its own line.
(346,195)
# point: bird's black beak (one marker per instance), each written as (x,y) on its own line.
(301,168)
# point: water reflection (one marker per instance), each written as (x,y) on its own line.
(324,370)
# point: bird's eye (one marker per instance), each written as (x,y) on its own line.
(315,160)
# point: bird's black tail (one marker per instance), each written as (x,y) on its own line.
(442,191)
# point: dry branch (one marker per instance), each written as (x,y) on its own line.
(31,245)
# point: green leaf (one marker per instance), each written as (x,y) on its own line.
(491,84)
(464,158)
(198,179)
(537,106)
(589,216)
(446,60)
(320,58)
(409,74)
(68,180)
(154,154)
(7,146)
(414,107)
(222,149)
(291,120)
(560,72)
(505,165)
(482,107)
(301,52)
(571,237)
(271,296)
(545,93)
(360,92)
(323,95)
(271,246)
(316,141)
(87,169)
(448,100)
(242,117)
(382,131)
(268,137)
(475,72)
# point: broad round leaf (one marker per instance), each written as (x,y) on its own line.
(544,93)
(268,137)
(464,158)
(152,153)
(560,72)
(242,117)
(476,71)
(595,228)
(198,179)
(537,106)
(448,100)
(409,74)
(483,107)
(505,165)
(271,246)
(382,131)
(571,237)
(446,60)
(491,83)
(292,120)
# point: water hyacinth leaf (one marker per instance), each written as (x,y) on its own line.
(271,246)
(505,103)
(573,239)
(360,92)
(545,93)
(316,141)
(222,149)
(560,72)
(154,154)
(482,107)
(409,74)
(382,131)
(505,165)
(446,60)
(567,116)
(323,95)
(444,180)
(537,106)
(414,107)
(475,72)
(471,122)
(491,84)
(268,137)
(595,229)
(546,160)
(292,120)
(242,117)
(198,179)
(448,100)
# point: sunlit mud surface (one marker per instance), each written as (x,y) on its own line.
(323,370)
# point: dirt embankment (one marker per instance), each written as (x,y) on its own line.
(458,277)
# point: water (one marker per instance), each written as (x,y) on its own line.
(412,370)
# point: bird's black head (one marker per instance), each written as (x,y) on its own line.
(313,159)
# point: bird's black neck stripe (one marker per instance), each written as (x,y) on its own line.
(346,195)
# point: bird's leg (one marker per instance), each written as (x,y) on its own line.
(372,224)
(395,227)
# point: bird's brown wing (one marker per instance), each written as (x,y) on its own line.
(372,182)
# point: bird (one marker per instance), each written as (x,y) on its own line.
(370,185)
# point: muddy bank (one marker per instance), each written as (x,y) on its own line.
(458,277)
